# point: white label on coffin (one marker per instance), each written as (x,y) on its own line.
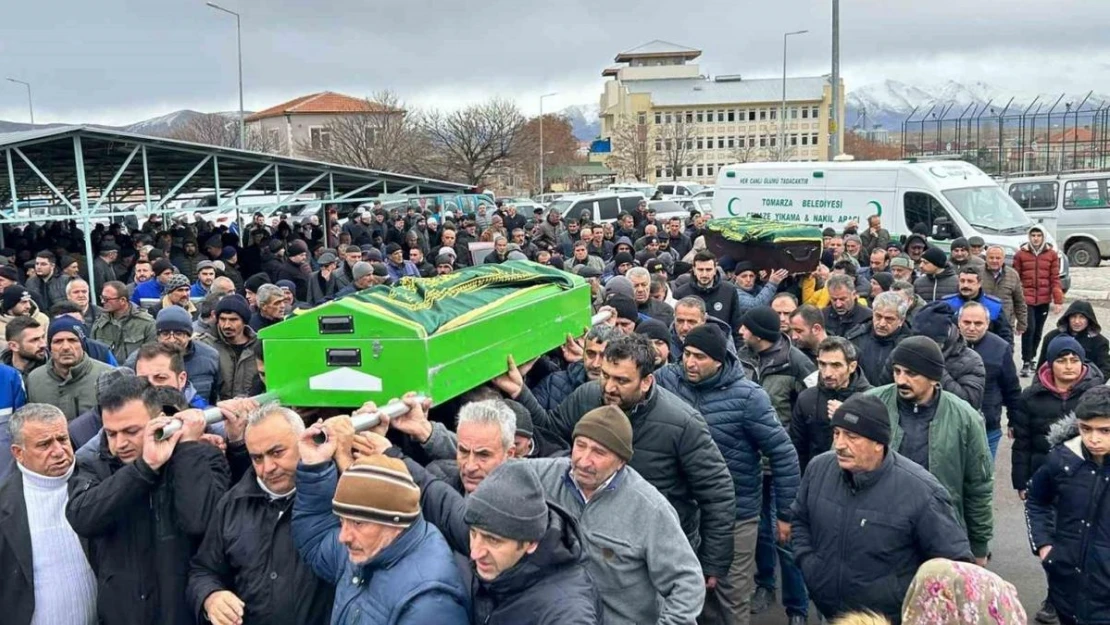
(345,379)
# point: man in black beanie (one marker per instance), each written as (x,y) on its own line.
(942,433)
(938,278)
(862,504)
(660,338)
(744,424)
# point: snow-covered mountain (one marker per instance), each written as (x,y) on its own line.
(889,102)
(585,120)
(161,126)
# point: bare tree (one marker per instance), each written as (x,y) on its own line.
(746,154)
(466,144)
(630,149)
(223,131)
(678,146)
(383,138)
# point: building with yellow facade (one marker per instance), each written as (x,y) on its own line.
(666,120)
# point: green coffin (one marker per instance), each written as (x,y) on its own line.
(437,336)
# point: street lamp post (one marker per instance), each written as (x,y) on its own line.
(834,114)
(782,113)
(546,95)
(239,44)
(30,103)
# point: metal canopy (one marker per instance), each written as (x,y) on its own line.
(119,167)
(84,168)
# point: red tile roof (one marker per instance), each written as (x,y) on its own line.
(322,103)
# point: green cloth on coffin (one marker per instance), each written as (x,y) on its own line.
(749,230)
(434,302)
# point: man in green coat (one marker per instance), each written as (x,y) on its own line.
(124,327)
(942,433)
(68,380)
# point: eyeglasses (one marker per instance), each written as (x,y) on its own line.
(173,334)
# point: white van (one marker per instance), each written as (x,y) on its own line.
(1074,207)
(678,188)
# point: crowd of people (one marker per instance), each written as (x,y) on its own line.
(728,429)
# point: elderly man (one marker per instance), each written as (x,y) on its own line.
(1003,282)
(844,311)
(875,237)
(1003,388)
(235,344)
(943,434)
(249,535)
(961,257)
(271,307)
(77,291)
(849,563)
(647,305)
(176,294)
(143,505)
(938,279)
(876,339)
(902,269)
(124,327)
(365,275)
(47,578)
(69,382)
(323,283)
(363,533)
(678,455)
(743,424)
(970,281)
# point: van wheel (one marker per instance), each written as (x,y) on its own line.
(1083,254)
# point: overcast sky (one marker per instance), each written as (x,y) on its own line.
(119,61)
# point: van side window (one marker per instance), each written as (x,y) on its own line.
(629,204)
(1085,194)
(610,207)
(1035,195)
(666,189)
(922,209)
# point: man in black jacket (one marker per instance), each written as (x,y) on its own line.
(840,378)
(877,338)
(294,269)
(844,311)
(866,518)
(32,502)
(247,567)
(1003,386)
(673,448)
(143,504)
(720,296)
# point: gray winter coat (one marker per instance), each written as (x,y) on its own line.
(675,453)
(124,336)
(940,286)
(74,394)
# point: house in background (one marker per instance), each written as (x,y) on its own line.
(304,122)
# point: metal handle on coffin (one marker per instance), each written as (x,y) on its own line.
(212,415)
(363,422)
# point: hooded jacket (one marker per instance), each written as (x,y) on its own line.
(937,286)
(958,457)
(810,425)
(744,425)
(142,526)
(1094,343)
(547,587)
(1040,273)
(1042,404)
(860,538)
(873,351)
(675,452)
(1067,507)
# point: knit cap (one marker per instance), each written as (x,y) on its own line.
(13,295)
(175,282)
(377,489)
(66,323)
(935,320)
(228,253)
(255,282)
(936,256)
(619,284)
(959,243)
(921,355)
(161,265)
(623,258)
(709,339)
(625,307)
(236,304)
(864,415)
(901,261)
(1057,347)
(654,329)
(609,427)
(884,279)
(763,322)
(361,270)
(173,319)
(509,503)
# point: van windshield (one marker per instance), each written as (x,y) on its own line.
(989,209)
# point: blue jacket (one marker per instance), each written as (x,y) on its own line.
(999,324)
(744,425)
(151,289)
(197,290)
(413,581)
(406,270)
(12,398)
(1067,507)
(100,351)
(553,389)
(1003,386)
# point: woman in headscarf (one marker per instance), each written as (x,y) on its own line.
(945,592)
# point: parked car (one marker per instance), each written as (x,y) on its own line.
(603,207)
(678,188)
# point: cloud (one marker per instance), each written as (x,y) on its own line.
(115,61)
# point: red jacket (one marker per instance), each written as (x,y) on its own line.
(1040,275)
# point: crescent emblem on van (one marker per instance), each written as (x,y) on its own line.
(878,207)
(729,207)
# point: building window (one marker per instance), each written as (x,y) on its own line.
(751,115)
(720,142)
(709,170)
(731,115)
(701,171)
(740,142)
(658,145)
(658,172)
(793,112)
(667,144)
(274,137)
(689,117)
(700,117)
(774,140)
(814,114)
(689,144)
(805,139)
(700,143)
(793,139)
(805,113)
(720,116)
(319,137)
(762,114)
(813,139)
(689,171)
(667,118)
(731,142)
(743,115)
(658,117)
(641,118)
(751,141)
(762,141)
(774,113)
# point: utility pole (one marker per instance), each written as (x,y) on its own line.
(30,103)
(834,113)
(782,113)
(546,95)
(239,44)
